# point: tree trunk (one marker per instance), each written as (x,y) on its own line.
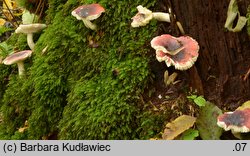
(224,56)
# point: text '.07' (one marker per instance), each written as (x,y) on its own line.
(240,147)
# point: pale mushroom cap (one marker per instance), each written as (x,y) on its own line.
(237,121)
(89,11)
(16,57)
(166,44)
(142,18)
(30,28)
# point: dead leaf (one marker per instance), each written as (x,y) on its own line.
(45,138)
(2,21)
(178,126)
(207,122)
(9,4)
(244,105)
(153,139)
(22,129)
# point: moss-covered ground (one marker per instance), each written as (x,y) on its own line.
(86,84)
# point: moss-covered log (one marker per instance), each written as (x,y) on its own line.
(84,84)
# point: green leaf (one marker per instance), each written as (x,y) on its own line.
(192,97)
(207,122)
(189,134)
(232,13)
(3,29)
(200,101)
(5,49)
(28,18)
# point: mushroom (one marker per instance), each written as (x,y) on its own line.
(18,58)
(237,121)
(181,52)
(144,16)
(29,29)
(87,13)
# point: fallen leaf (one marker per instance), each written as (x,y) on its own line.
(2,21)
(9,4)
(178,126)
(22,129)
(207,122)
(200,101)
(153,139)
(244,105)
(189,134)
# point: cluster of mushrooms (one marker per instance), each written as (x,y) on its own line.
(181,52)
(19,57)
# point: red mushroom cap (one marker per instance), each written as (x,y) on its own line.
(16,57)
(237,121)
(181,52)
(89,11)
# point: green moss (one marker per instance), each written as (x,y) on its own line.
(25,4)
(106,104)
(15,106)
(14,92)
(4,76)
(82,92)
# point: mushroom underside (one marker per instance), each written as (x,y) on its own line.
(182,60)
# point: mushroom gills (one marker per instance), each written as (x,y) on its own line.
(176,51)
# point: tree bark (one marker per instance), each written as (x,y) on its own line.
(224,56)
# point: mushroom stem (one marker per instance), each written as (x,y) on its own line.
(89,24)
(180,27)
(30,41)
(160,16)
(21,70)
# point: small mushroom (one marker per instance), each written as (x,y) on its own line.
(144,16)
(87,13)
(18,58)
(237,121)
(180,52)
(29,29)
